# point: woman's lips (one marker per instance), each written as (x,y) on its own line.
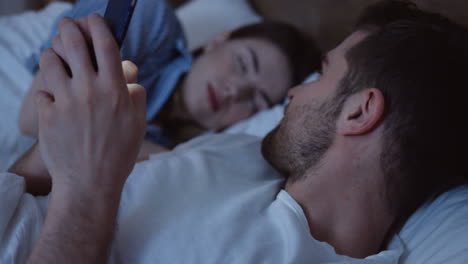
(213,98)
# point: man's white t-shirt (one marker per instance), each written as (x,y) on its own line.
(212,200)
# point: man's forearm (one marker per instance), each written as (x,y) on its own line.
(79,227)
(85,142)
(32,168)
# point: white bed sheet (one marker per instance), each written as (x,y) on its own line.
(21,35)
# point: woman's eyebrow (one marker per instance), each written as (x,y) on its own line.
(255,59)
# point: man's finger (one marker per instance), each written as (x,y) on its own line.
(76,48)
(57,46)
(53,72)
(106,49)
(84,27)
(130,71)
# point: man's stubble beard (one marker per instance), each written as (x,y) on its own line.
(300,141)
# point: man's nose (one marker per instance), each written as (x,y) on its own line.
(293,91)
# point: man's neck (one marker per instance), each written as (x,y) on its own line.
(344,204)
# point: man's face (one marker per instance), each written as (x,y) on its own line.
(307,131)
(234,80)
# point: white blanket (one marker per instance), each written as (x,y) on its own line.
(212,200)
(21,35)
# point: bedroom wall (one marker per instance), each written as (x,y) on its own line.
(329,21)
(9,7)
(326,20)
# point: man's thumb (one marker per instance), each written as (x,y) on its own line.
(130,71)
(138,96)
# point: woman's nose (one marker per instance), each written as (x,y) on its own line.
(229,92)
(238,91)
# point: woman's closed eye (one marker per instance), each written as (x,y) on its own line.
(241,65)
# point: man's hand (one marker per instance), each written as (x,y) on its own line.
(32,168)
(28,119)
(91,126)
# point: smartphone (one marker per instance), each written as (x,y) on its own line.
(118,15)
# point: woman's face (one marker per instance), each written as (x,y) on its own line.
(233,79)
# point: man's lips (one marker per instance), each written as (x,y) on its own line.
(213,98)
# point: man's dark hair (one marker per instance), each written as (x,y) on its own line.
(387,11)
(419,61)
(302,52)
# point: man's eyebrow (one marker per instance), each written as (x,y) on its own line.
(265,96)
(255,59)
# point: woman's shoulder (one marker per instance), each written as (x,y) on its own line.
(154,30)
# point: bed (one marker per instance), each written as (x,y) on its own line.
(436,233)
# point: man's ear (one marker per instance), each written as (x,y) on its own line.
(216,41)
(362,113)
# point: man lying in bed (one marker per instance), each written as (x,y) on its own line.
(352,148)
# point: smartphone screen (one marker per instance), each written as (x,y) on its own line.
(118,15)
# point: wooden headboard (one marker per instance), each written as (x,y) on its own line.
(330,21)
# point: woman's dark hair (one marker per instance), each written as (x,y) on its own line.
(302,52)
(419,61)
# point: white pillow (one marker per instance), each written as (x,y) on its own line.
(438,232)
(202,20)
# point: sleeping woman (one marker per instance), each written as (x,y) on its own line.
(235,75)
